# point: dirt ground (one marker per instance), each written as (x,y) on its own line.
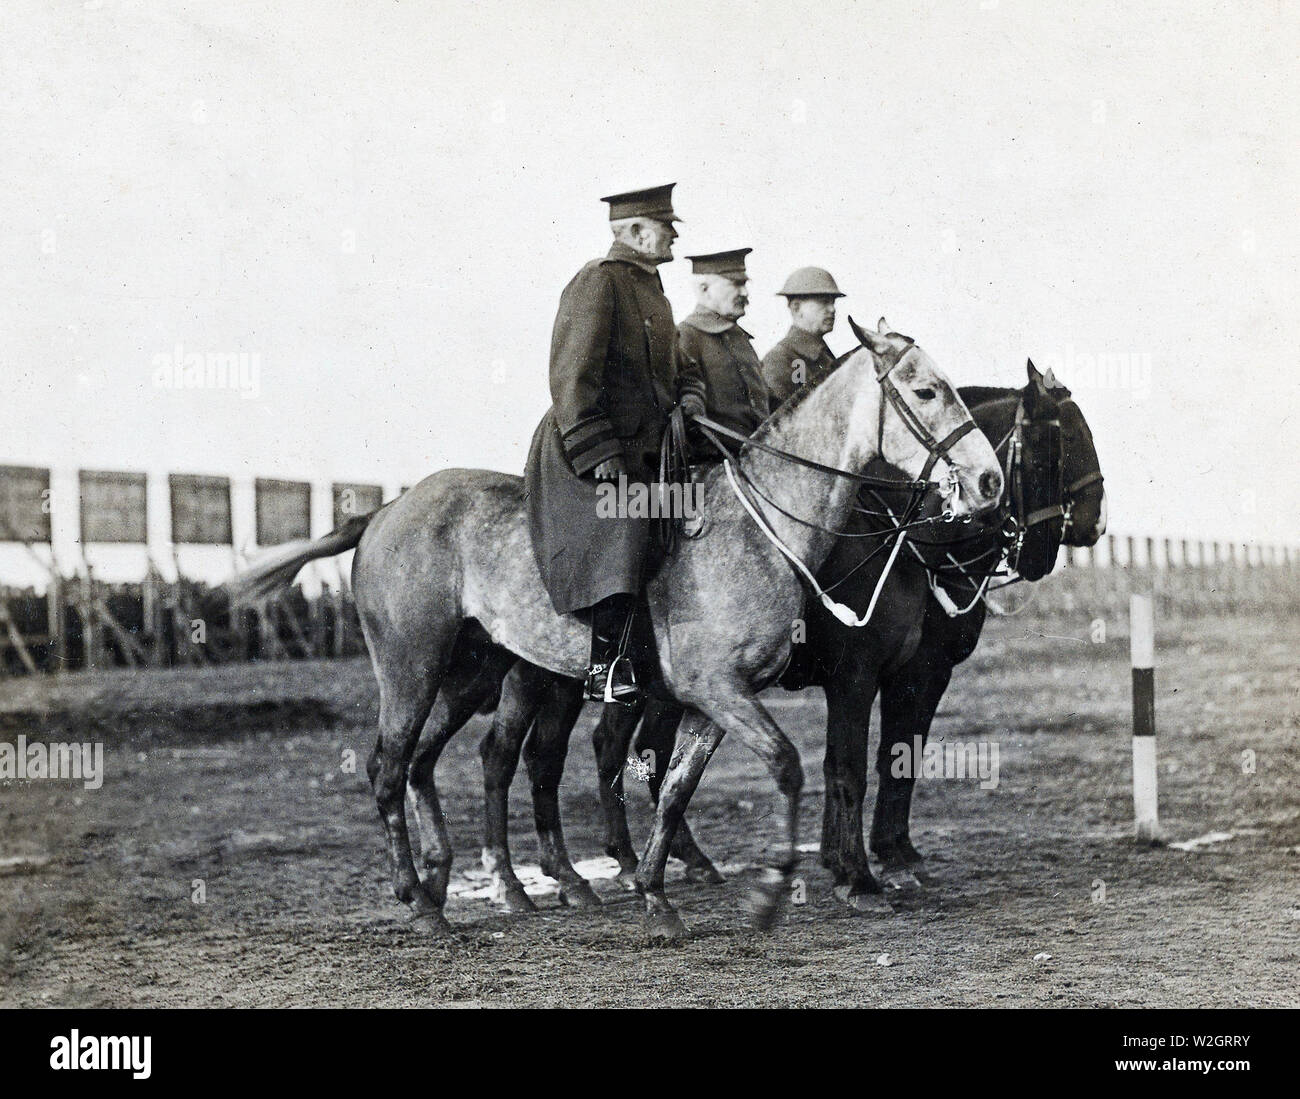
(1034,892)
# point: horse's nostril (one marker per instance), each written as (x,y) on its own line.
(990,485)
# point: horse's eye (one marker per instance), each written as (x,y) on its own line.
(925,393)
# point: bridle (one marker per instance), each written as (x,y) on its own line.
(892,539)
(1017,521)
(1066,496)
(936,449)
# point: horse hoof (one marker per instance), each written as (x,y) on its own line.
(868,903)
(705,873)
(766,900)
(665,927)
(514,900)
(900,879)
(578,895)
(432,923)
(626,880)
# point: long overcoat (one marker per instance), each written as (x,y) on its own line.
(615,376)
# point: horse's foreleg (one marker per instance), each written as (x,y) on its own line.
(908,703)
(611,739)
(656,736)
(696,741)
(849,696)
(521,697)
(544,755)
(741,713)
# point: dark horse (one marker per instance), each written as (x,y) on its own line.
(928,618)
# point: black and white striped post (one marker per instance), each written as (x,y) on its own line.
(1142,649)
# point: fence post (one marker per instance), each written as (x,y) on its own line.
(57,620)
(149,607)
(89,622)
(1142,654)
(340,621)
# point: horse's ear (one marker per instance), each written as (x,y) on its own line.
(869,339)
(1050,382)
(883,327)
(1032,370)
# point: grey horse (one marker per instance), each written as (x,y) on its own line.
(449,563)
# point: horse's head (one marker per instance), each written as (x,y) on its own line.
(1034,478)
(1083,492)
(923,423)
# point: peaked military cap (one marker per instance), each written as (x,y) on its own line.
(810,282)
(729,264)
(653,202)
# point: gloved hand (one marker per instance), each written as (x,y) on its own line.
(610,468)
(693,405)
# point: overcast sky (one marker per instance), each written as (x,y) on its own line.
(382,202)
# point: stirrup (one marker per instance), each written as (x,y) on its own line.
(601,685)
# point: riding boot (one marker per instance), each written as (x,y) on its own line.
(610,677)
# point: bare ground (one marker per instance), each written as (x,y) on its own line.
(236,778)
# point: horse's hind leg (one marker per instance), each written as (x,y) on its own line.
(405,700)
(544,754)
(521,698)
(472,678)
(611,739)
(657,734)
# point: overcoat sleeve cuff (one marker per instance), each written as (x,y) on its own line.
(589,443)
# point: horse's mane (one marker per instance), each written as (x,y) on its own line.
(797,398)
(984,394)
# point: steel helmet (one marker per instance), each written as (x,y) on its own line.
(810,282)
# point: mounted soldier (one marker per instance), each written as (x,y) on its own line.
(735,392)
(802,356)
(615,376)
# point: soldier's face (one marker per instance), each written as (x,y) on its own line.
(656,241)
(725,297)
(816,315)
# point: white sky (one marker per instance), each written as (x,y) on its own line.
(999,178)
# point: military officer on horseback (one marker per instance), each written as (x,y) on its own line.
(802,357)
(735,393)
(615,376)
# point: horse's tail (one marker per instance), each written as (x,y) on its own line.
(282,566)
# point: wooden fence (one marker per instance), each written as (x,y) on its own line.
(1187,578)
(85,624)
